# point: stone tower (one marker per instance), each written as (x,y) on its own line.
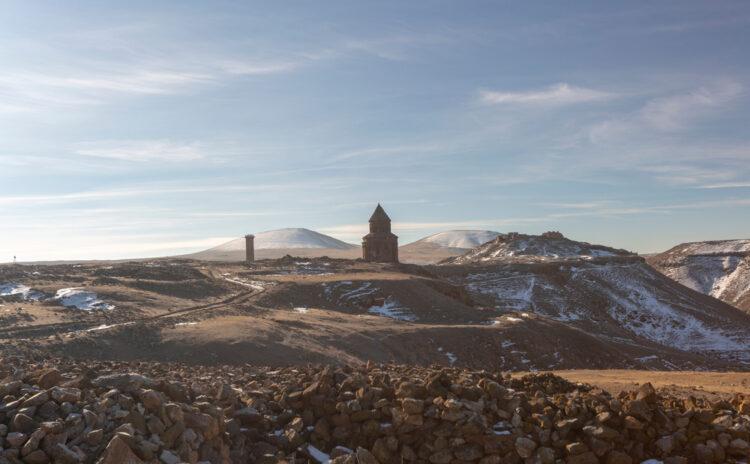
(249,248)
(380,245)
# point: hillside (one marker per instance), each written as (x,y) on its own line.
(274,244)
(717,268)
(515,247)
(573,311)
(465,239)
(600,290)
(443,245)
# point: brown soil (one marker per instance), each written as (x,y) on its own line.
(708,384)
(299,310)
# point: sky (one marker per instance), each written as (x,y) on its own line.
(152,128)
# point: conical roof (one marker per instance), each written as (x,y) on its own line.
(379,215)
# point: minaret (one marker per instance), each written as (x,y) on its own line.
(380,245)
(249,248)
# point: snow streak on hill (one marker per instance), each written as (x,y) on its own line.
(460,238)
(717,268)
(287,238)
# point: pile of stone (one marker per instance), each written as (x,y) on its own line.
(57,411)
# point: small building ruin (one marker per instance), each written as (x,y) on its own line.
(380,245)
(249,248)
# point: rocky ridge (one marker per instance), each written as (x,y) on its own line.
(65,412)
(549,246)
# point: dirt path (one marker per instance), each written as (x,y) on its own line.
(710,384)
(63,328)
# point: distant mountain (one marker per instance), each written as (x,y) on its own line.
(436,247)
(460,238)
(515,247)
(277,243)
(287,238)
(718,268)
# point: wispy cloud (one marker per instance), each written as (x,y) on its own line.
(685,26)
(260,68)
(140,191)
(141,150)
(143,72)
(687,174)
(670,113)
(29,91)
(390,151)
(558,94)
(725,185)
(675,111)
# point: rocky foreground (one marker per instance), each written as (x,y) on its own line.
(67,412)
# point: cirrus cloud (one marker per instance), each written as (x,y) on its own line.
(558,94)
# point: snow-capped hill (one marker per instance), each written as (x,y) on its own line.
(274,244)
(717,268)
(437,247)
(714,247)
(520,247)
(287,238)
(466,239)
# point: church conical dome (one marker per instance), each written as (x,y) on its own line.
(379,215)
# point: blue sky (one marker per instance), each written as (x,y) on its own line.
(146,128)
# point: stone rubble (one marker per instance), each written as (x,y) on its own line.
(60,411)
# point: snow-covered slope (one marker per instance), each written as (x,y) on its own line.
(436,247)
(465,239)
(717,268)
(520,247)
(624,299)
(609,293)
(280,242)
(287,238)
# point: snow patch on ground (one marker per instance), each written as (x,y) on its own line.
(258,285)
(524,292)
(80,299)
(452,358)
(110,326)
(11,289)
(318,455)
(100,327)
(362,290)
(392,309)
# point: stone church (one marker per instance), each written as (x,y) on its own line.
(380,245)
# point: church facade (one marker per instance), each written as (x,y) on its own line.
(380,245)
